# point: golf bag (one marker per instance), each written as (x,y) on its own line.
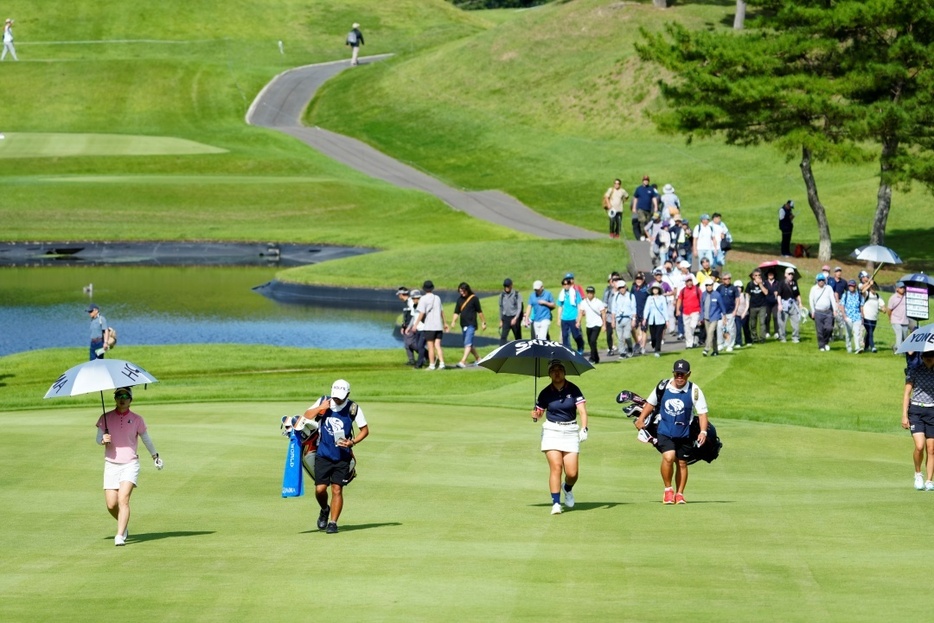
(633,404)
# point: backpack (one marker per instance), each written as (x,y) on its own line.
(352,37)
(110,337)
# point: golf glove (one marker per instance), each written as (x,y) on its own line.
(583,434)
(158,462)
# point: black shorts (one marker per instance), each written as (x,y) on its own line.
(328,472)
(432,335)
(681,445)
(921,420)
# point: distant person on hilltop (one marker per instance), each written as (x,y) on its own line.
(354,40)
(8,40)
(786,225)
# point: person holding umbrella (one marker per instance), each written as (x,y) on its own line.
(918,416)
(119,431)
(565,427)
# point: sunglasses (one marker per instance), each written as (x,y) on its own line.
(678,375)
(122,396)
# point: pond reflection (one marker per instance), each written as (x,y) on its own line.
(45,308)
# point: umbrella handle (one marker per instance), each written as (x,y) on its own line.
(104,414)
(876,270)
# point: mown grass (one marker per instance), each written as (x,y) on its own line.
(448,520)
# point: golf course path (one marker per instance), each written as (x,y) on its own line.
(281,103)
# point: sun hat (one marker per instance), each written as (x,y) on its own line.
(668,188)
(655,287)
(705,217)
(340,389)
(428,285)
(416,293)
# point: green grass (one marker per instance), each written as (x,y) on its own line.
(449,521)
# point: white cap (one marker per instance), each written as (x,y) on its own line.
(340,389)
(538,285)
(684,264)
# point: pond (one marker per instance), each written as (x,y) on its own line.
(45,307)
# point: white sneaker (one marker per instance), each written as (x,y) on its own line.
(441,366)
(431,367)
(929,485)
(919,481)
(767,336)
(461,365)
(120,540)
(555,509)
(729,349)
(569,499)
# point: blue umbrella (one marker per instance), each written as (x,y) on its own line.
(920,280)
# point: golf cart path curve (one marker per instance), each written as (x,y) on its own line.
(281,103)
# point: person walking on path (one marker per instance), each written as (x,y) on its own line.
(333,468)
(623,309)
(538,311)
(510,312)
(897,309)
(593,313)
(678,401)
(758,293)
(431,313)
(613,200)
(354,40)
(823,304)
(119,431)
(786,225)
(688,307)
(569,301)
(8,40)
(656,315)
(565,427)
(408,315)
(98,332)
(789,296)
(712,312)
(644,205)
(468,309)
(852,303)
(918,416)
(609,292)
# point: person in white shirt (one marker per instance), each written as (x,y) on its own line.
(593,313)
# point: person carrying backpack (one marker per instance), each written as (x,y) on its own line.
(354,40)
(677,401)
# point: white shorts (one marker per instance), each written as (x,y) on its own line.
(115,473)
(557,437)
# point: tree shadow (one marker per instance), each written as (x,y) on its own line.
(155,536)
(5,376)
(353,527)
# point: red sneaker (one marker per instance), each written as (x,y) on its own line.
(669,497)
(679,499)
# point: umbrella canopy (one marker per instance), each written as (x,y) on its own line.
(779,268)
(531,358)
(98,375)
(921,340)
(920,280)
(878,254)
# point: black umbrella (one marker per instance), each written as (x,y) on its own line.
(532,358)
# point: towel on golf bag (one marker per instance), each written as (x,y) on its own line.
(293,483)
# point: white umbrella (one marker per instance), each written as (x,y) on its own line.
(98,375)
(921,340)
(877,254)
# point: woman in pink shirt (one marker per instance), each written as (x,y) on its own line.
(119,432)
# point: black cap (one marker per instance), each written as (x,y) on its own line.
(590,289)
(428,286)
(682,365)
(507,282)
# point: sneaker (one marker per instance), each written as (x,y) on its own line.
(929,485)
(782,340)
(460,364)
(555,509)
(729,349)
(126,533)
(669,497)
(795,340)
(679,499)
(827,348)
(919,482)
(873,349)
(323,517)
(120,541)
(767,336)
(331,529)
(441,366)
(657,354)
(714,354)
(431,367)
(704,353)
(569,499)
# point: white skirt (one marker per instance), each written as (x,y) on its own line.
(563,438)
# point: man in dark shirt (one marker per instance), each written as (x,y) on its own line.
(644,204)
(758,305)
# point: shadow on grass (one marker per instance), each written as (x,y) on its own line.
(5,376)
(587,506)
(155,536)
(354,527)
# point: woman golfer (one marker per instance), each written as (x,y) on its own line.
(564,428)
(119,431)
